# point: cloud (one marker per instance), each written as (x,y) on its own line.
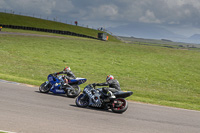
(147,11)
(44,7)
(149,18)
(103,11)
(166,13)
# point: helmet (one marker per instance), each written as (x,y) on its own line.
(109,77)
(67,68)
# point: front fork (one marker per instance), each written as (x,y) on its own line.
(47,82)
(70,88)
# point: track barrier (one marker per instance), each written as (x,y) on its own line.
(46,30)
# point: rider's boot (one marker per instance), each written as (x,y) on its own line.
(109,95)
(66,85)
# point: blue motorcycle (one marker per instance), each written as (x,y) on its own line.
(54,85)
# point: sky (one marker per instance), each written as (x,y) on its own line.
(179,16)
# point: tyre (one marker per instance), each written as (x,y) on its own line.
(119,105)
(82,101)
(44,87)
(75,92)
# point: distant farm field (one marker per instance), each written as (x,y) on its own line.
(156,75)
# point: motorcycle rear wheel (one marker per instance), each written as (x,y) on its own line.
(44,87)
(74,93)
(119,105)
(82,101)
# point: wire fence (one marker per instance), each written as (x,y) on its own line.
(50,18)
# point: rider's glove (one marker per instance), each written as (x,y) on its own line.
(54,74)
(94,84)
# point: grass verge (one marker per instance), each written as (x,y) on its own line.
(156,75)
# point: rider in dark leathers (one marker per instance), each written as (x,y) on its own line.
(113,84)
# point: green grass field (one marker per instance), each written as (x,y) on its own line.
(156,75)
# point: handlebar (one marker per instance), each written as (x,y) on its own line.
(92,85)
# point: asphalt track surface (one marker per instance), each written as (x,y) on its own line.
(23,109)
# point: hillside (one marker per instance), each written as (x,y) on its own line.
(18,20)
(195,37)
(161,43)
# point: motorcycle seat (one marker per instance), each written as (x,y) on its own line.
(123,94)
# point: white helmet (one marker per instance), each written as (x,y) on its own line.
(109,77)
(67,68)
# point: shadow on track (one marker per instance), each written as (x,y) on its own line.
(95,109)
(74,105)
(52,94)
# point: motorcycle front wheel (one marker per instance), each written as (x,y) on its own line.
(44,87)
(75,92)
(119,105)
(82,101)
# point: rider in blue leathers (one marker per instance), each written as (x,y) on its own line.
(68,76)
